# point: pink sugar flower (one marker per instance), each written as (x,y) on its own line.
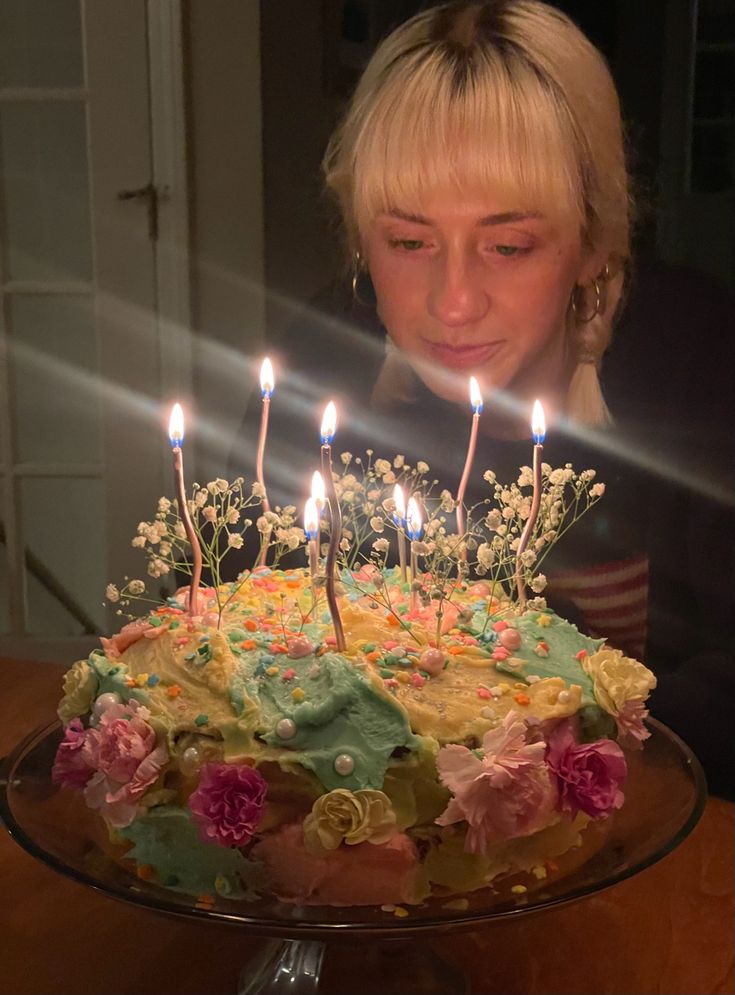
(630,723)
(127,759)
(229,803)
(588,775)
(70,769)
(503,795)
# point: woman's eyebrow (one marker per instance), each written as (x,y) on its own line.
(501,218)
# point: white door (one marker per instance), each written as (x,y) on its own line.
(94,303)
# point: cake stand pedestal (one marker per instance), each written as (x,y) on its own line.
(316,949)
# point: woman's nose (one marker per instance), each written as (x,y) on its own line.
(458,295)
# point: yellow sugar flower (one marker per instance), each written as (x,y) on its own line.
(617,679)
(343,816)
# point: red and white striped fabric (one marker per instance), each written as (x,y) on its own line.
(612,599)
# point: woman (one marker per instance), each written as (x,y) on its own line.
(480,174)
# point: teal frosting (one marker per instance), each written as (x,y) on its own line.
(341,713)
(167,840)
(112,675)
(564,641)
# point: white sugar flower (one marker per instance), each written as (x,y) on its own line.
(218,486)
(538,583)
(381,466)
(422,467)
(180,530)
(165,548)
(262,525)
(447,501)
(389,477)
(528,558)
(258,490)
(136,588)
(234,540)
(597,490)
(485,556)
(346,458)
(200,498)
(537,604)
(209,513)
(164,504)
(377,524)
(232,516)
(112,594)
(399,461)
(588,475)
(381,545)
(138,542)
(489,476)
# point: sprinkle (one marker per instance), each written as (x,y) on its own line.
(457,905)
(153,680)
(390,644)
(394,623)
(374,655)
(544,620)
(417,681)
(288,675)
(272,671)
(499,626)
(249,644)
(542,649)
(455,650)
(581,655)
(145,872)
(368,648)
(251,625)
(391,682)
(181,641)
(500,653)
(278,648)
(298,694)
(539,872)
(387,673)
(533,678)
(141,679)
(519,889)
(387,908)
(201,720)
(205,901)
(496,692)
(400,913)
(523,699)
(131,682)
(174,691)
(484,693)
(404,678)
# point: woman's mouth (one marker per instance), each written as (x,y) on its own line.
(462,356)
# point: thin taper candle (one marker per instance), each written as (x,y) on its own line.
(311,528)
(329,423)
(414,528)
(476,401)
(267,383)
(399,519)
(176,435)
(538,429)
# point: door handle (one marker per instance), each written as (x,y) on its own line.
(149,194)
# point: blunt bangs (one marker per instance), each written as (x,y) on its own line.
(490,125)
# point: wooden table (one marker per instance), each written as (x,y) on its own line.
(667,930)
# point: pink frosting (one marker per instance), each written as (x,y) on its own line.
(128,635)
(123,752)
(363,874)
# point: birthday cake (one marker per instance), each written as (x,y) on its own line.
(446,734)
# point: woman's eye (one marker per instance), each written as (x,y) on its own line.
(409,244)
(508,250)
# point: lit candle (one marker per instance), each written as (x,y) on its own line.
(399,518)
(414,528)
(317,494)
(176,435)
(267,383)
(476,402)
(538,430)
(311,528)
(329,426)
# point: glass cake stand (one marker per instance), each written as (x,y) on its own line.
(665,794)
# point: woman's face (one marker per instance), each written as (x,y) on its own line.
(476,286)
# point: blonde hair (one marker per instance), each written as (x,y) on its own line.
(501,94)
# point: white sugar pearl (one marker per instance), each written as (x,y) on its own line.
(286,729)
(564,697)
(344,764)
(190,761)
(105,701)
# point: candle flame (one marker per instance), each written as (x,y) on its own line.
(538,423)
(317,489)
(399,516)
(475,396)
(267,380)
(176,426)
(311,519)
(329,424)
(414,525)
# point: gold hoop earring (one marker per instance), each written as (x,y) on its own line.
(357,267)
(585,318)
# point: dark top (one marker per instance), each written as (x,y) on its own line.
(667,463)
